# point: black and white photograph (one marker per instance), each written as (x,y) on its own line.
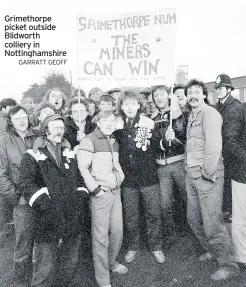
(123,143)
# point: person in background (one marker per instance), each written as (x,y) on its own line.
(204,182)
(95,94)
(178,90)
(145,92)
(13,144)
(151,106)
(137,141)
(92,108)
(225,106)
(57,98)
(52,186)
(5,105)
(106,103)
(98,161)
(78,123)
(78,93)
(115,93)
(28,104)
(42,111)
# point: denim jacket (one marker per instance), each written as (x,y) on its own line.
(204,144)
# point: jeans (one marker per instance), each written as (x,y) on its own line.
(54,264)
(151,203)
(6,214)
(107,233)
(168,175)
(24,220)
(204,211)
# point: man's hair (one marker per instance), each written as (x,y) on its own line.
(103,114)
(90,101)
(14,110)
(131,94)
(106,98)
(47,95)
(195,82)
(77,93)
(160,87)
(76,101)
(94,91)
(8,102)
(42,106)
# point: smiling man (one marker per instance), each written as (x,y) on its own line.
(204,181)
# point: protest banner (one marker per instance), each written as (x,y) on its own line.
(134,49)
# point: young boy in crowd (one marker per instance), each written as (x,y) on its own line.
(98,161)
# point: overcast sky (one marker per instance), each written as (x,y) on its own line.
(210,36)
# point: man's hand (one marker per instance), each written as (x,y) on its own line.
(100,193)
(170,134)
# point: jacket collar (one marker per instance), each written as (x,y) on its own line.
(99,134)
(12,131)
(228,102)
(158,112)
(42,142)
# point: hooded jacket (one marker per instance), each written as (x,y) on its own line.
(54,189)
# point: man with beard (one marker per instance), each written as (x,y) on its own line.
(170,155)
(225,106)
(204,181)
(13,144)
(51,184)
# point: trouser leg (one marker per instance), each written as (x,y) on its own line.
(24,220)
(68,260)
(44,264)
(101,209)
(194,215)
(166,197)
(151,200)
(130,197)
(238,226)
(211,198)
(116,230)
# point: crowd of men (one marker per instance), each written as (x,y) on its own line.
(98,163)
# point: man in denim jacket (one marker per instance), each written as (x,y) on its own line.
(204,181)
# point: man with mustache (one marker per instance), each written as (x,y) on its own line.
(204,181)
(51,184)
